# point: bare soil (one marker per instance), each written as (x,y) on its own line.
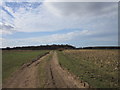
(26,77)
(60,78)
(56,77)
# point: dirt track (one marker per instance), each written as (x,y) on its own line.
(56,77)
(59,78)
(26,77)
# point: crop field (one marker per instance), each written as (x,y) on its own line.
(60,69)
(99,68)
(12,60)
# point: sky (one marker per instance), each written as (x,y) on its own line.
(80,24)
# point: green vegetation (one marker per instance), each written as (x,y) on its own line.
(12,60)
(42,71)
(97,67)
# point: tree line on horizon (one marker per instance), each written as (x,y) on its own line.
(58,47)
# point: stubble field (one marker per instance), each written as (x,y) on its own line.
(99,68)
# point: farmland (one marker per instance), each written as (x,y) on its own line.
(99,68)
(12,60)
(42,73)
(60,68)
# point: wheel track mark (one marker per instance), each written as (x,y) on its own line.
(24,72)
(53,81)
(63,77)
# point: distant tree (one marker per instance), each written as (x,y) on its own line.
(7,48)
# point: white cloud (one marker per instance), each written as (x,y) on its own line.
(6,29)
(1,41)
(80,9)
(51,16)
(54,38)
(62,0)
(5,32)
(97,20)
(76,36)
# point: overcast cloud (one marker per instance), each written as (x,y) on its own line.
(97,19)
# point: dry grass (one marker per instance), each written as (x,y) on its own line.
(101,58)
(97,67)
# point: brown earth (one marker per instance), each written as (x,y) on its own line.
(59,78)
(56,77)
(26,77)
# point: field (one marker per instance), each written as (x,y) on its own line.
(12,60)
(60,69)
(99,68)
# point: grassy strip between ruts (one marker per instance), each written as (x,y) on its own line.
(42,71)
(87,71)
(12,60)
